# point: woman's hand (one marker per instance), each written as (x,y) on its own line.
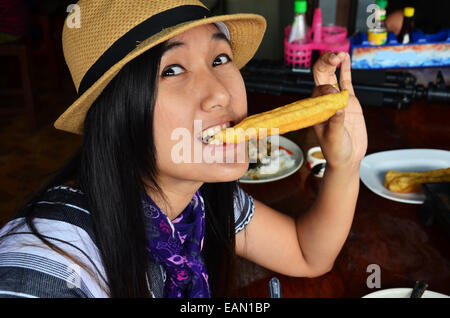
(343,138)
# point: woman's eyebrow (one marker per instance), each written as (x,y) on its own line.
(170,46)
(220,36)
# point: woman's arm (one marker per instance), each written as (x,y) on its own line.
(309,245)
(323,230)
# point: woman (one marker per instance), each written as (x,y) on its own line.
(123,219)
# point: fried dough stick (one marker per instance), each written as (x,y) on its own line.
(407,182)
(300,114)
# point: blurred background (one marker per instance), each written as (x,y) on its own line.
(35,87)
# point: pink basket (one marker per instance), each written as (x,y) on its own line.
(296,54)
(334,34)
(299,55)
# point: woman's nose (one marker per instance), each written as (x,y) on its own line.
(214,92)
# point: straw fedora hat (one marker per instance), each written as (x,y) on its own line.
(113,32)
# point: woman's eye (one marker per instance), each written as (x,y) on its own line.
(221,59)
(173,70)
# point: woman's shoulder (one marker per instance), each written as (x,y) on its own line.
(244,208)
(61,205)
(61,216)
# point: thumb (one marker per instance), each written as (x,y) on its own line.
(335,127)
(323,90)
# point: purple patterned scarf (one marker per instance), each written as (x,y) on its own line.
(177,245)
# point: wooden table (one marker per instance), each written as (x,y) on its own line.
(386,233)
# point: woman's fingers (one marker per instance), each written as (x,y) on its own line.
(332,131)
(324,69)
(345,76)
(336,125)
(319,91)
(323,90)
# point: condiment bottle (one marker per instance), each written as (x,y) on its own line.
(378,34)
(317,26)
(316,33)
(299,31)
(404,37)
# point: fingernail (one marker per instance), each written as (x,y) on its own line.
(331,90)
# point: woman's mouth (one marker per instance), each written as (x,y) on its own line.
(207,134)
(213,149)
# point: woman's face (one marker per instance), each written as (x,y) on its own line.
(199,88)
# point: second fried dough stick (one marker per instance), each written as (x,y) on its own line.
(300,114)
(407,182)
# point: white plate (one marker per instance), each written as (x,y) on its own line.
(402,293)
(375,166)
(298,156)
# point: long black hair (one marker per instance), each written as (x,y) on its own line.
(118,153)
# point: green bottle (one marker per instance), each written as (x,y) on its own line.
(378,34)
(299,31)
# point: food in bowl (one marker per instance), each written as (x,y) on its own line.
(269,161)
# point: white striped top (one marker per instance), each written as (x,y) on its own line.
(29,268)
